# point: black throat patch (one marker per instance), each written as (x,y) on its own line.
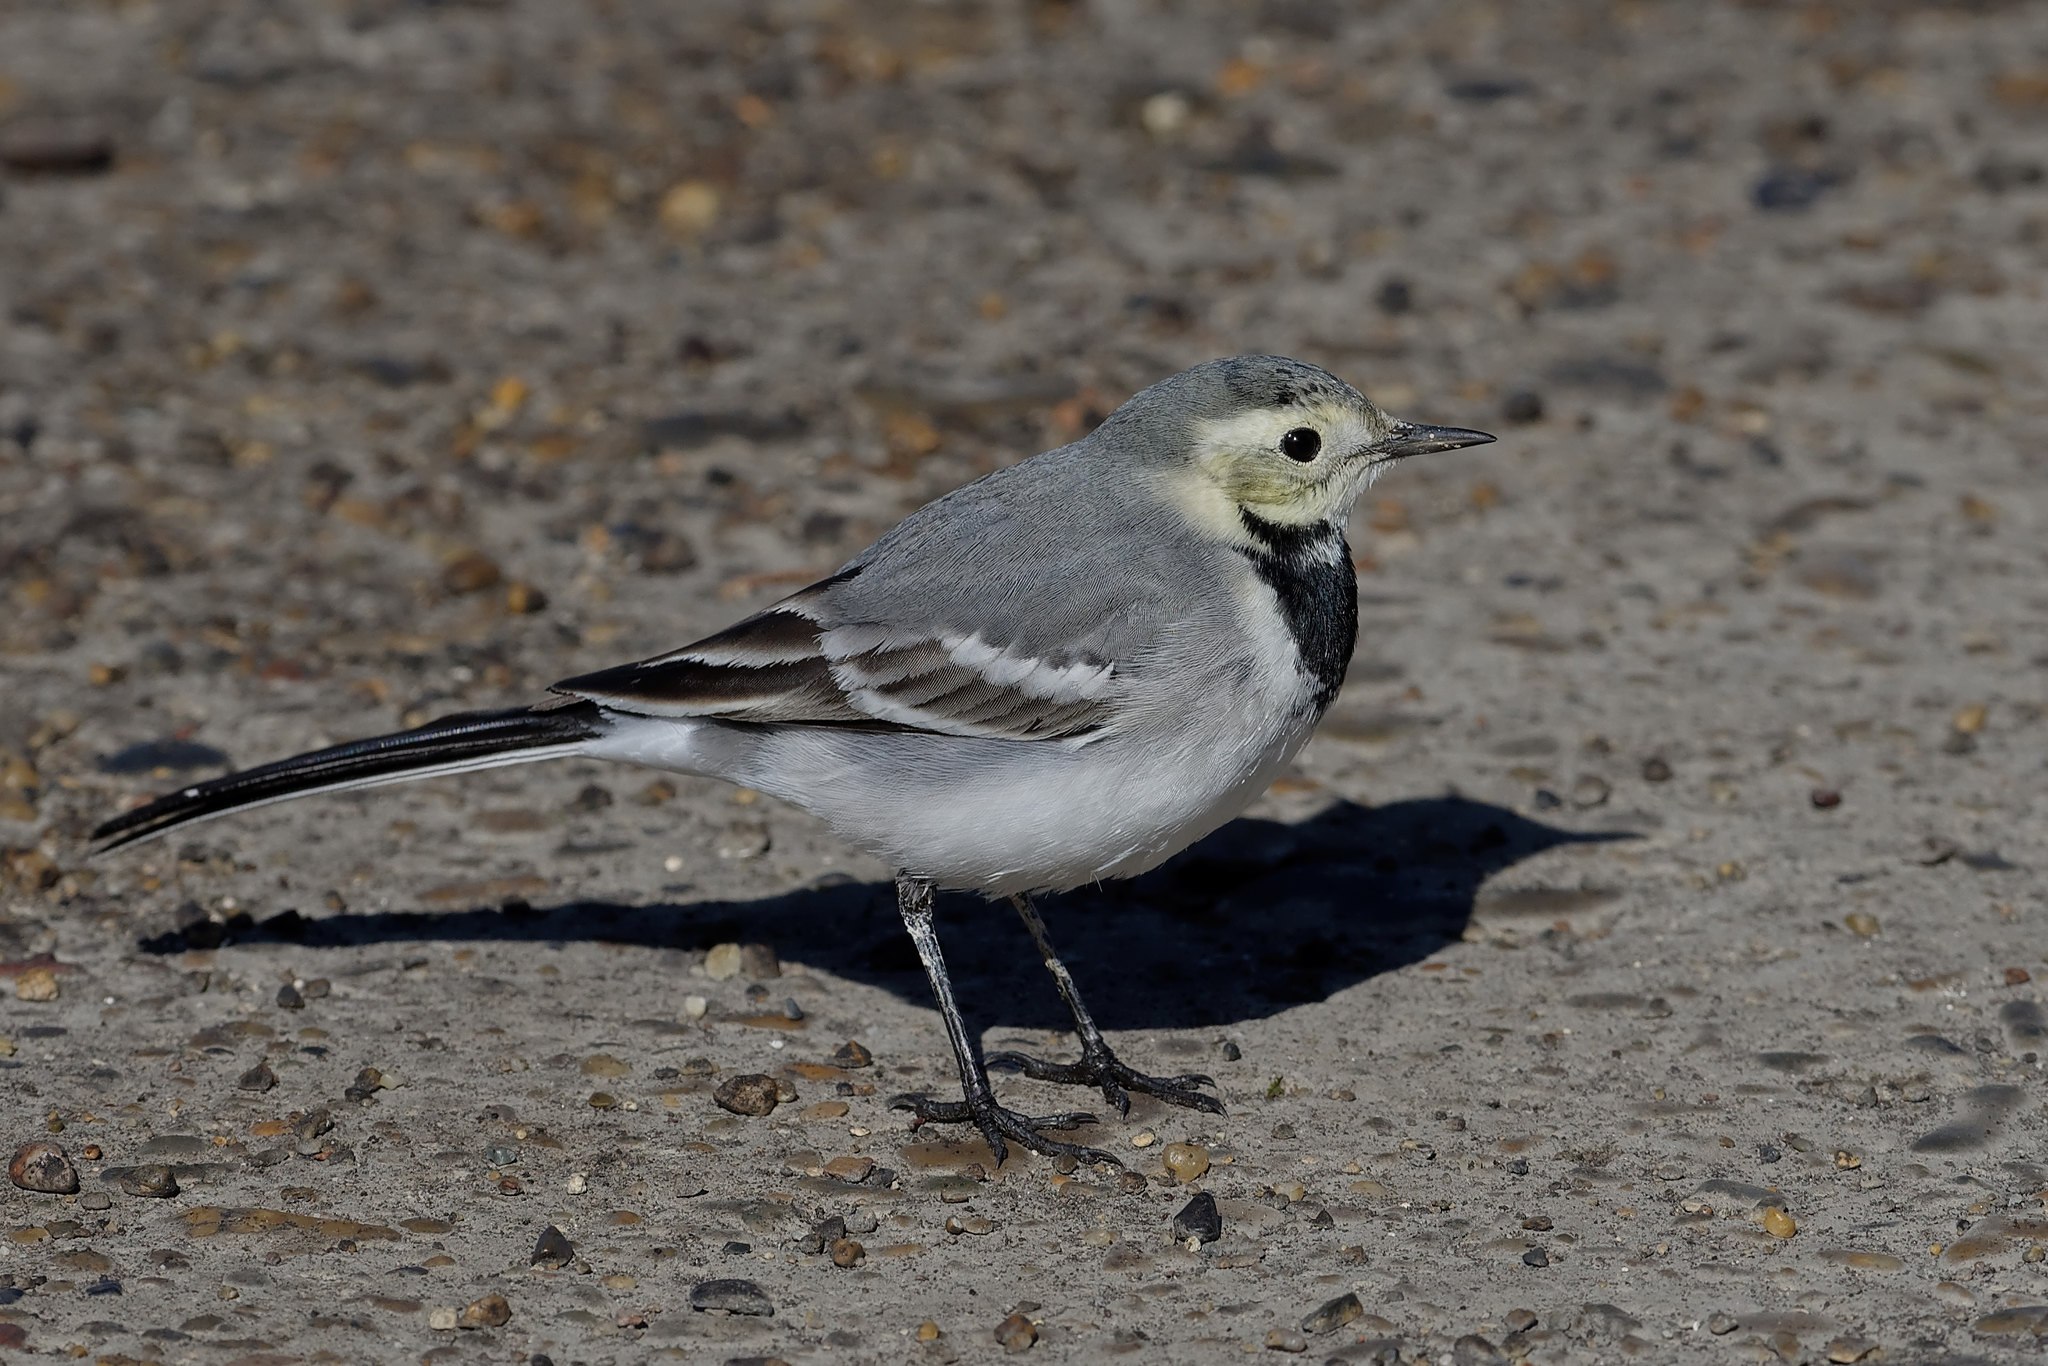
(1309,569)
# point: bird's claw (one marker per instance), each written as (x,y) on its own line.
(998,1124)
(1103,1070)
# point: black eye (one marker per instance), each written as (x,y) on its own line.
(1301,444)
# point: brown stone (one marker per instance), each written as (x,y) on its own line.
(471,572)
(751,1093)
(850,1168)
(1016,1333)
(43,1168)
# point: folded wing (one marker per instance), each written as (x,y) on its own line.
(799,663)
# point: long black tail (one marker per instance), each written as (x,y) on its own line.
(454,744)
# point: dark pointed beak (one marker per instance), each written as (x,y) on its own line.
(1414,438)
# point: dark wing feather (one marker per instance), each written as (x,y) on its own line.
(769,667)
(786,665)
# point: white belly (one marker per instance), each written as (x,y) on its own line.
(995,816)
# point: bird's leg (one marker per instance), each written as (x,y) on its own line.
(1098,1066)
(914,903)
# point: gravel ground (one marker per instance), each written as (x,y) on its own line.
(1645,962)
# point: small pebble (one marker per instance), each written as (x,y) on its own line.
(472,571)
(52,148)
(1016,1333)
(1283,1340)
(927,1331)
(1861,923)
(552,1249)
(1656,770)
(576,1184)
(743,840)
(1779,1224)
(750,1093)
(1825,799)
(1535,1256)
(695,1006)
(1333,1315)
(36,984)
(722,963)
(974,1224)
(492,1311)
(441,1318)
(1186,1161)
(731,1295)
(43,1168)
(1144,1138)
(1520,1320)
(851,1054)
(1844,1350)
(2017,977)
(847,1253)
(289,998)
(153,1182)
(1721,1325)
(850,1168)
(1199,1220)
(1474,1350)
(257,1078)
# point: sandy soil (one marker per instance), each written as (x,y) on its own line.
(1645,963)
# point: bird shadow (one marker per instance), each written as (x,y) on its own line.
(1260,916)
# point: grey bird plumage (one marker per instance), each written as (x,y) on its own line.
(1064,672)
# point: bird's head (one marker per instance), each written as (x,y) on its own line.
(1283,440)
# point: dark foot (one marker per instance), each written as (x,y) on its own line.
(1101,1068)
(997,1124)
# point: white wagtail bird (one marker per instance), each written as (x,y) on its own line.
(1067,671)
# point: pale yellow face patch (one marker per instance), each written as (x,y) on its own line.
(1238,464)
